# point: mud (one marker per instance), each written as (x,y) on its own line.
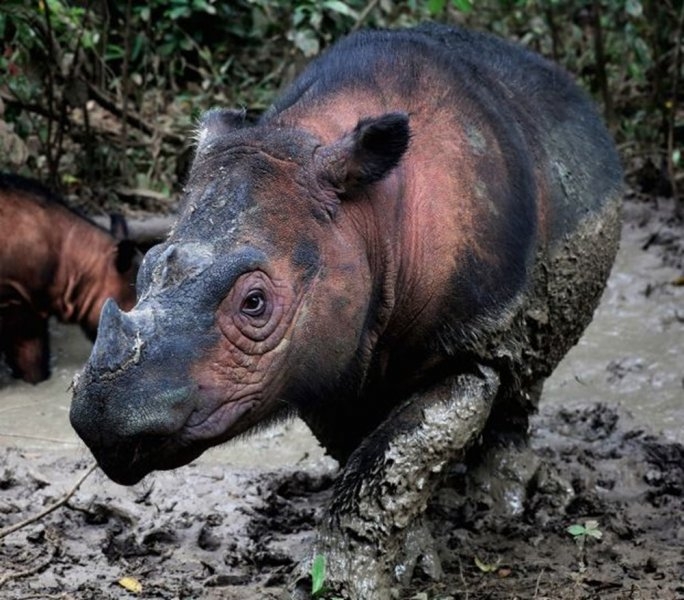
(607,446)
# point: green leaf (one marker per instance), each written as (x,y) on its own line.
(634,70)
(138,45)
(203,5)
(307,42)
(436,6)
(463,5)
(178,12)
(486,567)
(299,16)
(643,52)
(69,179)
(634,8)
(592,528)
(340,7)
(317,574)
(676,157)
(576,530)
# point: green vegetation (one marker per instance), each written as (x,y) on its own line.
(102,95)
(581,534)
(487,567)
(318,575)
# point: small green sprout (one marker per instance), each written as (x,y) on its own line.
(581,533)
(318,576)
(487,567)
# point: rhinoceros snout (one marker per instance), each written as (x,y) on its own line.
(127,421)
(135,393)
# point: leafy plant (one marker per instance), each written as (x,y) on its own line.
(318,576)
(487,567)
(581,534)
(154,65)
(437,6)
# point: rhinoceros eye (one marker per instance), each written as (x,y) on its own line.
(252,310)
(254,304)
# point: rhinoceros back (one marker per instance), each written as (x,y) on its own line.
(556,226)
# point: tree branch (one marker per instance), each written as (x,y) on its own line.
(600,56)
(679,203)
(131,118)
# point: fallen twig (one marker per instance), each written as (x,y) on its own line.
(463,579)
(59,596)
(12,528)
(38,438)
(32,571)
(144,231)
(131,118)
(536,587)
(364,14)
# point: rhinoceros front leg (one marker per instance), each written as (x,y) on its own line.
(375,515)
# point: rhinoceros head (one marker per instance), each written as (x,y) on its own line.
(260,300)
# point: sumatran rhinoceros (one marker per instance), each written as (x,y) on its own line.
(399,251)
(54,262)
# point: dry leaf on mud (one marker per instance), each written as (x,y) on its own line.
(131,584)
(487,567)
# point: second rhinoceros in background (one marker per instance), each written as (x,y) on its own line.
(54,263)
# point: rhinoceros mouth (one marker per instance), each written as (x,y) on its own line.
(128,461)
(223,422)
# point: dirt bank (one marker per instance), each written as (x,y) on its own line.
(233,525)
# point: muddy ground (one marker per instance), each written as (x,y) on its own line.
(235,530)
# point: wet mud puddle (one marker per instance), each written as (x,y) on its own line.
(631,356)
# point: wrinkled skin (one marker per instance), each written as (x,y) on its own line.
(421,225)
(54,262)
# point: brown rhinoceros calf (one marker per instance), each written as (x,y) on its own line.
(54,262)
(400,251)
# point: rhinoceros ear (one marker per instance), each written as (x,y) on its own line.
(366,154)
(216,123)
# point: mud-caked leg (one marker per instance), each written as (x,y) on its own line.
(375,516)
